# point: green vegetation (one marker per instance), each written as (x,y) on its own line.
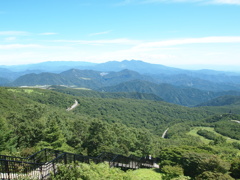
(102,171)
(90,93)
(200,142)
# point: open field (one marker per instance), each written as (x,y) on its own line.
(194,130)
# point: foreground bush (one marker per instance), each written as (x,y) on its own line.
(102,171)
(208,175)
(195,164)
(82,171)
(171,172)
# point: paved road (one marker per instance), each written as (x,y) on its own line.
(73,106)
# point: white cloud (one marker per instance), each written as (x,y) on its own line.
(13,33)
(48,33)
(236,2)
(10,39)
(101,42)
(174,42)
(100,33)
(168,52)
(19,46)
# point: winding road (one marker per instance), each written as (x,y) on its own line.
(73,106)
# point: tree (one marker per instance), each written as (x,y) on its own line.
(235,169)
(209,175)
(171,172)
(54,138)
(7,141)
(89,171)
(195,164)
(100,139)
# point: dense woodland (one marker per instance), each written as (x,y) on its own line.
(201,142)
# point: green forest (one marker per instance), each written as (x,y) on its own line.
(201,142)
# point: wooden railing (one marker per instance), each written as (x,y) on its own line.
(41,164)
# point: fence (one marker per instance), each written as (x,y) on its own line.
(41,164)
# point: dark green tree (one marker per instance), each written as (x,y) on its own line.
(195,164)
(100,139)
(235,169)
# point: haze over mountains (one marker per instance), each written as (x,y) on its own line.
(178,86)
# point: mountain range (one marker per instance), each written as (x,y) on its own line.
(178,86)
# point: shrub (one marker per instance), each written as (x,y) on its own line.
(171,172)
(235,169)
(195,164)
(88,172)
(208,175)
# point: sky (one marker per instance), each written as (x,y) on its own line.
(178,33)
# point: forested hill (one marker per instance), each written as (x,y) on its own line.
(178,89)
(153,115)
(223,101)
(117,95)
(186,96)
(37,118)
(79,78)
(178,86)
(33,119)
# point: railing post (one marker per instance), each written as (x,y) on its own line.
(7,168)
(54,171)
(56,154)
(65,158)
(45,151)
(41,171)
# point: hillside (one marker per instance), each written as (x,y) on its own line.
(79,78)
(133,112)
(201,79)
(32,119)
(31,113)
(215,82)
(4,81)
(126,81)
(178,86)
(90,93)
(223,101)
(178,95)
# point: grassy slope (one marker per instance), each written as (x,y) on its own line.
(194,130)
(142,174)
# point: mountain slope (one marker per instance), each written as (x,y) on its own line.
(80,78)
(138,66)
(202,79)
(4,81)
(223,101)
(129,81)
(197,82)
(39,79)
(173,94)
(96,94)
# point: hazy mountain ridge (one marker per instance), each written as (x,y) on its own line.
(170,93)
(4,81)
(223,101)
(134,65)
(79,78)
(196,82)
(174,85)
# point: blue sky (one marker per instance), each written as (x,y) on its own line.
(178,33)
